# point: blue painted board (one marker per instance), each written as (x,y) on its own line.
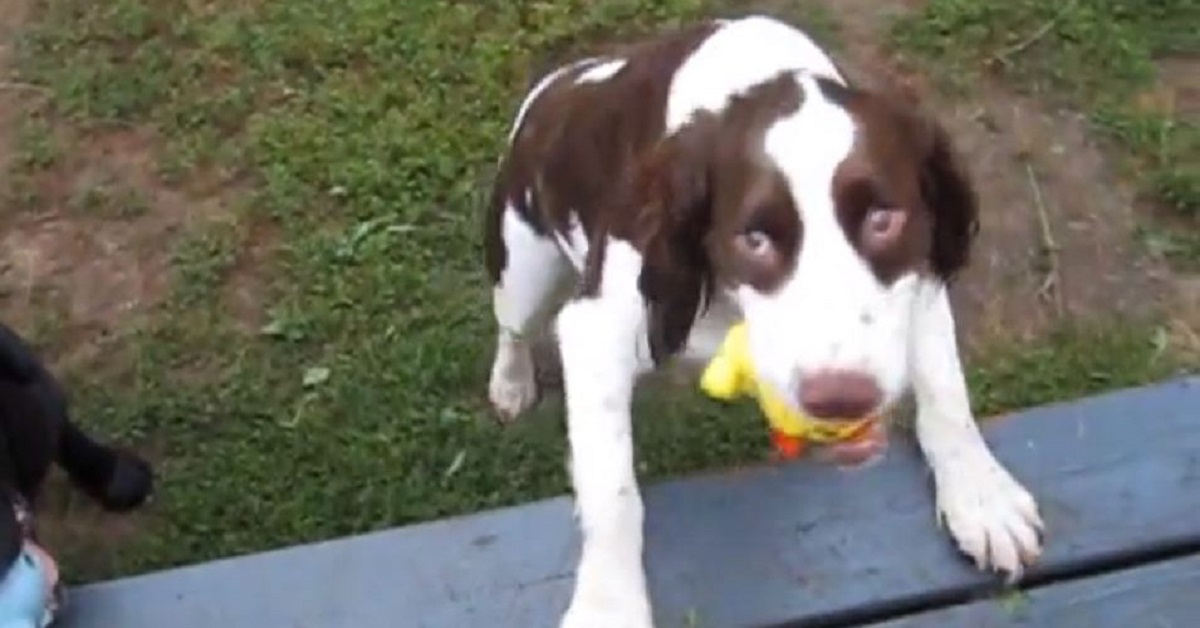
(1116,475)
(1161,595)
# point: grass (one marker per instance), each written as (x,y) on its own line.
(1072,361)
(1096,55)
(361,132)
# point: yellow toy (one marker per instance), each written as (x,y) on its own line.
(730,375)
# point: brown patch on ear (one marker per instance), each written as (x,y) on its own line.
(670,186)
(678,209)
(671,190)
(951,199)
(944,183)
(905,159)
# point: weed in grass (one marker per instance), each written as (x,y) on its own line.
(108,198)
(1180,246)
(36,147)
(19,192)
(202,261)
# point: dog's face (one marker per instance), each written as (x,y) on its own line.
(824,209)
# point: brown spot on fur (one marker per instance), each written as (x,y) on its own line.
(902,162)
(580,142)
(751,195)
(703,188)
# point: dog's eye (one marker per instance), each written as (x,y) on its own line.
(882,226)
(756,244)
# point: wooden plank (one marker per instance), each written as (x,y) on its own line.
(1162,595)
(801,544)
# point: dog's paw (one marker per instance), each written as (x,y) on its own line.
(513,386)
(991,517)
(598,612)
(608,595)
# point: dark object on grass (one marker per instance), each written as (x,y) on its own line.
(36,431)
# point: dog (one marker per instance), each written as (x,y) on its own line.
(729,170)
(35,432)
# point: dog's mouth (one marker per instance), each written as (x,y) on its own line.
(828,430)
(865,447)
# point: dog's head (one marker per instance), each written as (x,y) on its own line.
(820,210)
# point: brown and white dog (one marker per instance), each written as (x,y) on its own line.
(724,168)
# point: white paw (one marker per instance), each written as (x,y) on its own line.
(513,387)
(609,593)
(992,518)
(601,611)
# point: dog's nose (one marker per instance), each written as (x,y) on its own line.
(839,394)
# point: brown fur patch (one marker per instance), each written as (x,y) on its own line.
(903,162)
(580,142)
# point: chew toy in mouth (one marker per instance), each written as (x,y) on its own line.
(730,375)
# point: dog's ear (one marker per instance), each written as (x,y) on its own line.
(673,188)
(948,192)
(945,185)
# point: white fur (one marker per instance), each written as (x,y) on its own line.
(739,55)
(574,243)
(990,515)
(522,299)
(602,72)
(602,340)
(830,313)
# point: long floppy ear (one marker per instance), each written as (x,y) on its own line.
(950,196)
(673,189)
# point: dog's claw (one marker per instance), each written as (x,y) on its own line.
(991,517)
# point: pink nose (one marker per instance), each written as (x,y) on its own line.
(839,394)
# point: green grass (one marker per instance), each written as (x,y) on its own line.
(362,131)
(1072,361)
(1097,55)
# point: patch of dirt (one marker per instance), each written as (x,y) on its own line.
(1059,228)
(75,258)
(1057,238)
(1180,75)
(98,273)
(85,261)
(96,248)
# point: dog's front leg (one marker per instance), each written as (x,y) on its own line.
(601,338)
(991,516)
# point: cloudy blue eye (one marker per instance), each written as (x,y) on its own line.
(756,242)
(882,225)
